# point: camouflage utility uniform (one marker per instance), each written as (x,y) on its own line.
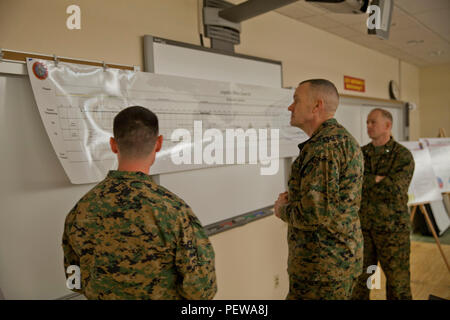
(385,218)
(134,239)
(324,232)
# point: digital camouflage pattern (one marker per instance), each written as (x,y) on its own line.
(320,290)
(392,250)
(324,232)
(385,219)
(134,239)
(384,204)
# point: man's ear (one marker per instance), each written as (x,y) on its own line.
(158,144)
(319,105)
(388,125)
(113,145)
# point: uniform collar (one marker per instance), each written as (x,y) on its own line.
(390,143)
(326,124)
(320,130)
(129,175)
(386,148)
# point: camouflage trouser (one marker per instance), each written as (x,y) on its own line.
(320,290)
(392,250)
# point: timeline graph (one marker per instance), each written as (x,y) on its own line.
(78,104)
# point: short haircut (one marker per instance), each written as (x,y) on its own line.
(386,114)
(328,91)
(135,131)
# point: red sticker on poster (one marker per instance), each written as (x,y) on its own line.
(40,70)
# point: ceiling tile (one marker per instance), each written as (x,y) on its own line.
(312,7)
(402,20)
(438,60)
(425,21)
(426,56)
(394,52)
(400,38)
(344,31)
(371,41)
(349,19)
(432,51)
(363,40)
(438,21)
(418,6)
(360,28)
(414,60)
(296,11)
(322,22)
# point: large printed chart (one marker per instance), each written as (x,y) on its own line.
(424,186)
(78,103)
(440,159)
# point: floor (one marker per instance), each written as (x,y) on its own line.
(429,274)
(443,239)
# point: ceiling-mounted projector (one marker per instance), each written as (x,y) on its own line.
(341,6)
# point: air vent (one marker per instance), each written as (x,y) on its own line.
(223,33)
(217,4)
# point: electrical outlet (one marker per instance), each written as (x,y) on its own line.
(276,281)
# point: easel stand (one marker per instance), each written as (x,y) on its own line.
(422,209)
(442,133)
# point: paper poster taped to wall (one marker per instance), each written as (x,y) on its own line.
(77,104)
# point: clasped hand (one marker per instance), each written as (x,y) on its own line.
(281,201)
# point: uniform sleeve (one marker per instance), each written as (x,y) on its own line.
(314,206)
(369,176)
(70,256)
(397,180)
(195,260)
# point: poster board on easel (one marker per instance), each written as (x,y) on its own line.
(445,195)
(439,149)
(424,189)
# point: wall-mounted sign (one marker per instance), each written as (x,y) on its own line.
(354,84)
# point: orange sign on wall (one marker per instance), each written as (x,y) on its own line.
(354,84)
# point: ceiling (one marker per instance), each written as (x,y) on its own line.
(419,34)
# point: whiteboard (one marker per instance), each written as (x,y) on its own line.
(219,194)
(163,56)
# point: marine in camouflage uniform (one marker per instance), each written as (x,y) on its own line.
(324,233)
(385,219)
(132,238)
